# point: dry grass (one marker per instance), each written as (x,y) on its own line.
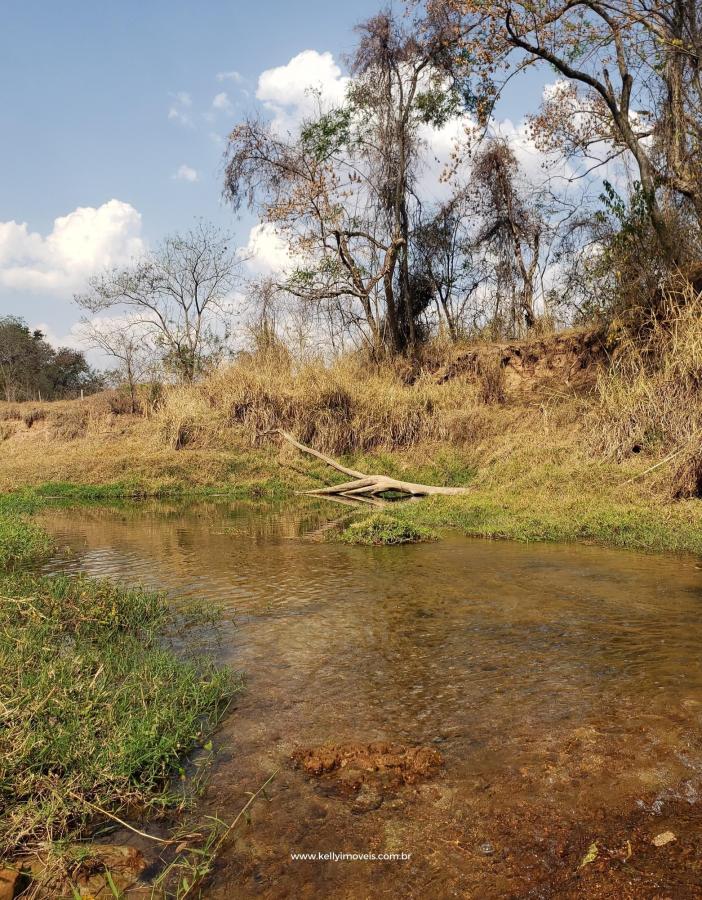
(650,397)
(88,443)
(342,408)
(443,424)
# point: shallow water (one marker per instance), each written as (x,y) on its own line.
(562,686)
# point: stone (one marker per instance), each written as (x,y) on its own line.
(665,837)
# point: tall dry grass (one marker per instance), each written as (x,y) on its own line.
(341,408)
(650,396)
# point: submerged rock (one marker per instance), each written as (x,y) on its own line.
(665,837)
(400,763)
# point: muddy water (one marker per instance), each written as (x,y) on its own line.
(561,686)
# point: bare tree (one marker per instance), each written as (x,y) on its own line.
(179,296)
(445,253)
(128,345)
(631,89)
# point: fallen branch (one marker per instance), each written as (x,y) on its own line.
(363,487)
(327,459)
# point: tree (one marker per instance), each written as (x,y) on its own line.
(179,297)
(341,191)
(66,373)
(22,353)
(127,344)
(445,254)
(30,367)
(631,88)
(511,229)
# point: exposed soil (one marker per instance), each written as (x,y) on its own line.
(571,359)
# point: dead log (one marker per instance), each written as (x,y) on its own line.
(364,487)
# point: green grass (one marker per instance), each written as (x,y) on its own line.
(98,711)
(29,500)
(381,529)
(445,466)
(21,542)
(593,519)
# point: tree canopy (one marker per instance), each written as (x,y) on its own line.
(31,369)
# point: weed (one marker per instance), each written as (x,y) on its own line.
(21,542)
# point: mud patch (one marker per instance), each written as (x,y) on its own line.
(97,870)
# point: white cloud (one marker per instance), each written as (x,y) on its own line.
(233,75)
(287,92)
(536,165)
(179,110)
(222,103)
(73,339)
(266,252)
(80,244)
(439,147)
(186,173)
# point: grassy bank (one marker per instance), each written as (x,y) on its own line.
(386,530)
(21,541)
(567,495)
(98,711)
(554,442)
(591,519)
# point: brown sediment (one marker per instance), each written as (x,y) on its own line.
(90,875)
(380,759)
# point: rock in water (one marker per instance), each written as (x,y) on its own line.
(665,837)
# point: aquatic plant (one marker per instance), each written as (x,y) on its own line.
(21,542)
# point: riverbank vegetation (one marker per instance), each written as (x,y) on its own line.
(384,530)
(543,460)
(21,541)
(99,712)
(533,336)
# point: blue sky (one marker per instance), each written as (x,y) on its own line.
(130,102)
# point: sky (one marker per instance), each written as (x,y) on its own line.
(114,117)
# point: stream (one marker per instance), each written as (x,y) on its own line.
(557,690)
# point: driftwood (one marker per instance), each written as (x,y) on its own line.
(365,487)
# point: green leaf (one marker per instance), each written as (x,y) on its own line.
(590,856)
(113,887)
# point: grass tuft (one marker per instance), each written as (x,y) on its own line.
(21,542)
(380,529)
